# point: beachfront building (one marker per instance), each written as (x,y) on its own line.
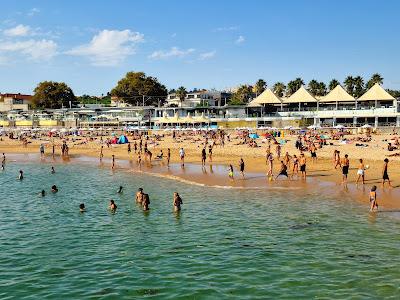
(201,98)
(15,102)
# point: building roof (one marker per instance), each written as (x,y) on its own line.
(266,97)
(337,94)
(17,96)
(300,96)
(376,92)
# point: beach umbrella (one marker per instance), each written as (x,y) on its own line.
(53,130)
(339,126)
(366,126)
(287,127)
(254,135)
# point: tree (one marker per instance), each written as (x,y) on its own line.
(375,78)
(259,87)
(135,85)
(321,89)
(50,94)
(313,87)
(349,84)
(394,93)
(181,94)
(279,89)
(242,95)
(332,84)
(293,86)
(358,86)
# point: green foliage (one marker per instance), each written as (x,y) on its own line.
(181,93)
(134,85)
(332,84)
(242,95)
(293,86)
(394,93)
(313,87)
(203,103)
(349,84)
(375,78)
(358,86)
(86,99)
(279,89)
(50,94)
(259,87)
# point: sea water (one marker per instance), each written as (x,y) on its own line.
(225,244)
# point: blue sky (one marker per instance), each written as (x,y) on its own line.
(90,45)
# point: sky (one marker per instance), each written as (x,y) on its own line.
(90,45)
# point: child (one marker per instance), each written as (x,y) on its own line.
(372,199)
(230,174)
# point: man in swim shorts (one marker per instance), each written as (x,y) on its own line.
(139,196)
(345,168)
(283,170)
(302,163)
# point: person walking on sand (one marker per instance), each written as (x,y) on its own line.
(372,199)
(313,151)
(295,169)
(385,174)
(177,202)
(361,172)
(270,161)
(182,156)
(303,163)
(41,148)
(345,168)
(210,152)
(241,166)
(129,148)
(338,162)
(101,153)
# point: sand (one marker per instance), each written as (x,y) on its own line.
(321,174)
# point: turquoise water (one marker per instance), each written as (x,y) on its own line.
(244,244)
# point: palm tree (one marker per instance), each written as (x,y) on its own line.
(349,84)
(279,89)
(259,87)
(332,84)
(313,87)
(358,86)
(181,94)
(375,78)
(293,86)
(321,89)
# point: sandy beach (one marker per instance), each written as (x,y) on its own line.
(320,174)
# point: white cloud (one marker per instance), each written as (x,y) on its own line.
(19,30)
(229,28)
(207,55)
(173,52)
(240,39)
(33,12)
(109,47)
(37,50)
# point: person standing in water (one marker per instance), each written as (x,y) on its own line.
(385,175)
(168,156)
(361,172)
(182,156)
(372,199)
(120,189)
(101,153)
(282,171)
(230,174)
(21,175)
(345,168)
(177,202)
(82,207)
(113,162)
(41,148)
(203,157)
(139,196)
(52,170)
(112,206)
(3,162)
(241,166)
(303,162)
(146,202)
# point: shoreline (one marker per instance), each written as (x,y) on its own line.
(192,174)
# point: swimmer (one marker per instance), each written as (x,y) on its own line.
(146,202)
(82,207)
(21,175)
(42,193)
(177,202)
(112,206)
(54,189)
(52,170)
(372,199)
(139,196)
(120,190)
